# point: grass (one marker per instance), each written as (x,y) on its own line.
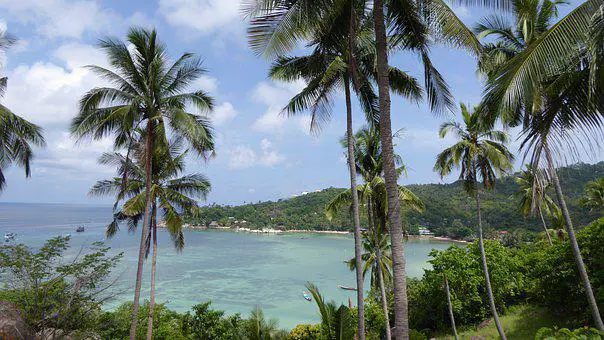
(520,322)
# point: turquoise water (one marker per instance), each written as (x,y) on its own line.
(236,271)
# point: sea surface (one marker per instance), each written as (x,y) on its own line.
(236,271)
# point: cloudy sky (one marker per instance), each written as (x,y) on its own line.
(260,154)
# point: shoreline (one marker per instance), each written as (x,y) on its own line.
(308,231)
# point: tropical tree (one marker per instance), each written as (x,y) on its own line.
(534,200)
(481,155)
(336,321)
(276,27)
(150,93)
(554,89)
(257,327)
(17,135)
(369,165)
(171,193)
(594,195)
(335,63)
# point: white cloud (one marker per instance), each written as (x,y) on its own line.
(275,96)
(60,18)
(242,156)
(47,93)
(206,83)
(64,154)
(223,114)
(205,16)
(462,12)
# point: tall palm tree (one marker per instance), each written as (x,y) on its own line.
(369,165)
(258,327)
(481,155)
(594,195)
(17,135)
(533,196)
(152,93)
(337,63)
(554,88)
(171,194)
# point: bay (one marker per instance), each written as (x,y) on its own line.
(236,271)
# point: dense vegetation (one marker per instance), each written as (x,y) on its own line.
(448,210)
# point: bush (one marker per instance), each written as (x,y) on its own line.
(566,334)
(207,323)
(305,332)
(52,292)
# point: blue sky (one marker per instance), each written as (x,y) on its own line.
(260,154)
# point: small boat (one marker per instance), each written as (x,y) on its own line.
(307,296)
(80,229)
(346,287)
(9,237)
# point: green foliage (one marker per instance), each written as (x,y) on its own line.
(54,289)
(207,323)
(594,195)
(557,284)
(585,333)
(305,332)
(337,322)
(167,324)
(444,203)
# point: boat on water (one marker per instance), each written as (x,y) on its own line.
(80,229)
(9,237)
(307,296)
(346,287)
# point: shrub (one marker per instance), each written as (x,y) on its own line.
(305,332)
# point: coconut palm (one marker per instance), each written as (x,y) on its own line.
(257,327)
(594,196)
(17,135)
(336,63)
(481,155)
(534,200)
(151,93)
(554,89)
(171,193)
(369,165)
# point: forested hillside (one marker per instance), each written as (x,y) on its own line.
(447,206)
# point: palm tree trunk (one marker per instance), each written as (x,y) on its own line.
(383,293)
(485,268)
(591,300)
(144,231)
(153,268)
(451,316)
(549,238)
(355,211)
(401,318)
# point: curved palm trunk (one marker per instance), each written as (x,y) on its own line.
(549,238)
(591,300)
(401,318)
(373,228)
(153,268)
(485,268)
(355,211)
(144,231)
(451,316)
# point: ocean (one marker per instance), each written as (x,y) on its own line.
(236,271)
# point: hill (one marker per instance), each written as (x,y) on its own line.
(447,205)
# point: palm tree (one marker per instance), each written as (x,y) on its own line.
(17,135)
(533,196)
(594,196)
(171,194)
(336,62)
(150,92)
(336,322)
(369,165)
(276,26)
(553,88)
(481,155)
(258,328)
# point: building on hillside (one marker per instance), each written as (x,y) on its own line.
(424,231)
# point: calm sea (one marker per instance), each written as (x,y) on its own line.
(236,271)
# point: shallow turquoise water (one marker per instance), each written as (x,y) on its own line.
(236,271)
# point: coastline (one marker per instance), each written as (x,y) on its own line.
(307,231)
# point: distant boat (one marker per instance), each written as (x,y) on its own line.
(80,229)
(307,296)
(346,287)
(9,237)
